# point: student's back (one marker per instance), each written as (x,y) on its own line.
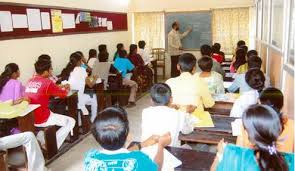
(123,65)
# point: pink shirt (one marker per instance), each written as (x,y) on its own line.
(12,90)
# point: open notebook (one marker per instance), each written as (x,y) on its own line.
(170,161)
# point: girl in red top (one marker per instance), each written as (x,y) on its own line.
(217,55)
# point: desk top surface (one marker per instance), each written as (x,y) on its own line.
(191,159)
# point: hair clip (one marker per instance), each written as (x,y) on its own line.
(272,149)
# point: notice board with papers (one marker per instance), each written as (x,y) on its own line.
(28,21)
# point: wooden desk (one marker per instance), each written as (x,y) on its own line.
(192,160)
(220,108)
(154,64)
(222,129)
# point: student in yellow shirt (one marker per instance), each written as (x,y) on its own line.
(188,91)
(274,98)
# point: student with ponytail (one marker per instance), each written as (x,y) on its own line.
(274,98)
(10,87)
(77,78)
(263,126)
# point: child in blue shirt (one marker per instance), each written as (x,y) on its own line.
(125,67)
(110,129)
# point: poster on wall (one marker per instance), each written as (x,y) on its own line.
(85,17)
(68,21)
(94,22)
(56,20)
(5,21)
(34,19)
(45,18)
(19,21)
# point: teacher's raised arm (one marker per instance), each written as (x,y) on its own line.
(175,46)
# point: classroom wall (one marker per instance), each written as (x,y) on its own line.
(24,52)
(187,5)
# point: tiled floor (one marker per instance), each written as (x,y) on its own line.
(73,159)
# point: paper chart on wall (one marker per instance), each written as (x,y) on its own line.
(104,22)
(68,21)
(45,18)
(56,19)
(5,21)
(19,21)
(109,25)
(34,19)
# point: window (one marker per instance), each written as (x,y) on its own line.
(277,22)
(291,36)
(265,26)
(259,20)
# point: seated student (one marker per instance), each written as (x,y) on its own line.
(217,55)
(102,50)
(102,67)
(111,130)
(178,121)
(92,58)
(207,51)
(213,79)
(255,79)
(10,87)
(134,57)
(239,65)
(240,82)
(124,66)
(39,89)
(239,44)
(52,77)
(143,52)
(120,46)
(274,98)
(263,127)
(77,78)
(84,62)
(187,90)
(28,140)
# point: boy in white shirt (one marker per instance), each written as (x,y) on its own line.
(143,52)
(255,79)
(159,118)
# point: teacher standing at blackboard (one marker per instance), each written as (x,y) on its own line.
(175,47)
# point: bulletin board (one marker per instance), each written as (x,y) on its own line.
(19,21)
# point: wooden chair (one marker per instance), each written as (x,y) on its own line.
(17,159)
(159,55)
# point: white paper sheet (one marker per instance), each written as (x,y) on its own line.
(227,84)
(104,22)
(34,19)
(45,17)
(78,18)
(237,127)
(19,21)
(170,161)
(5,21)
(68,21)
(109,25)
(99,22)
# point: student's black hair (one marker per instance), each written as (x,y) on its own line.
(206,50)
(7,73)
(74,59)
(80,53)
(251,53)
(255,79)
(92,54)
(264,128)
(240,58)
(205,63)
(216,48)
(44,57)
(254,62)
(245,48)
(111,128)
(241,43)
(42,65)
(122,53)
(141,44)
(161,94)
(119,46)
(102,48)
(187,62)
(132,48)
(272,97)
(174,24)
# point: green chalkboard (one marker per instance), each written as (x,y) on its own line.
(200,22)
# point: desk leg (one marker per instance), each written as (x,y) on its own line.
(100,96)
(72,102)
(154,63)
(26,123)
